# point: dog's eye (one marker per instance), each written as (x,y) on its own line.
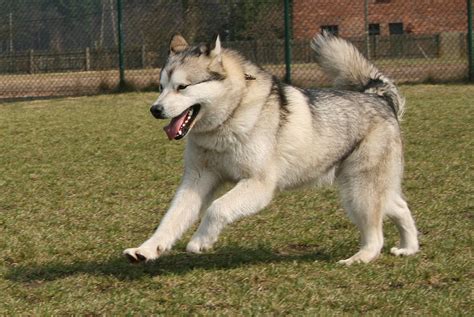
(160,88)
(181,87)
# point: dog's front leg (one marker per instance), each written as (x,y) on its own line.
(194,192)
(246,198)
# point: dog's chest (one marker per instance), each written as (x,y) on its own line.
(233,164)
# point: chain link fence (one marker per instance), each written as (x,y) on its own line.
(72,47)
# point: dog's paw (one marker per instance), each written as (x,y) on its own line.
(403,251)
(348,261)
(197,246)
(141,254)
(363,256)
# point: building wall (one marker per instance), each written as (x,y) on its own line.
(417,16)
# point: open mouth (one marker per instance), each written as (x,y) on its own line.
(182,124)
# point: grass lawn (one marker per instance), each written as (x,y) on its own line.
(83,178)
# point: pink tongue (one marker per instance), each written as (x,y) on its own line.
(176,123)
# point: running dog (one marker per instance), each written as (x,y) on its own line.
(246,127)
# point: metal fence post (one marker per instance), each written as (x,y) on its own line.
(470,48)
(31,61)
(88,59)
(120,44)
(10,31)
(366,28)
(287,43)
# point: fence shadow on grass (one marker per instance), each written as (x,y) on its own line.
(176,263)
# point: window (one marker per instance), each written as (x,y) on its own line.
(395,28)
(382,1)
(374,29)
(333,29)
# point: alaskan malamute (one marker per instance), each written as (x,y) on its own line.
(244,126)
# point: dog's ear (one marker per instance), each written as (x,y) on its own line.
(178,44)
(215,49)
(215,55)
(212,49)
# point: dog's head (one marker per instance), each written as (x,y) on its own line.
(191,83)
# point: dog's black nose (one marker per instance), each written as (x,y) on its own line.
(157,111)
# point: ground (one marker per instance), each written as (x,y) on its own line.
(83,178)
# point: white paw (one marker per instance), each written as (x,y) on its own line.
(403,251)
(141,254)
(363,256)
(198,245)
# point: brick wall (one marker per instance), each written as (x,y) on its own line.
(417,16)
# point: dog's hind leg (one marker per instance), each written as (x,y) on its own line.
(395,206)
(248,197)
(364,181)
(363,206)
(397,210)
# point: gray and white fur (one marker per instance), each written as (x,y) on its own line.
(246,127)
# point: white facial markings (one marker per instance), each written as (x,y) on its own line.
(173,100)
(179,80)
(164,79)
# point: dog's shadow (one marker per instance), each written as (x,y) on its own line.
(176,263)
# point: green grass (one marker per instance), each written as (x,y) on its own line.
(83,178)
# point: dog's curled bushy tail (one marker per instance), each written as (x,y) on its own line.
(351,70)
